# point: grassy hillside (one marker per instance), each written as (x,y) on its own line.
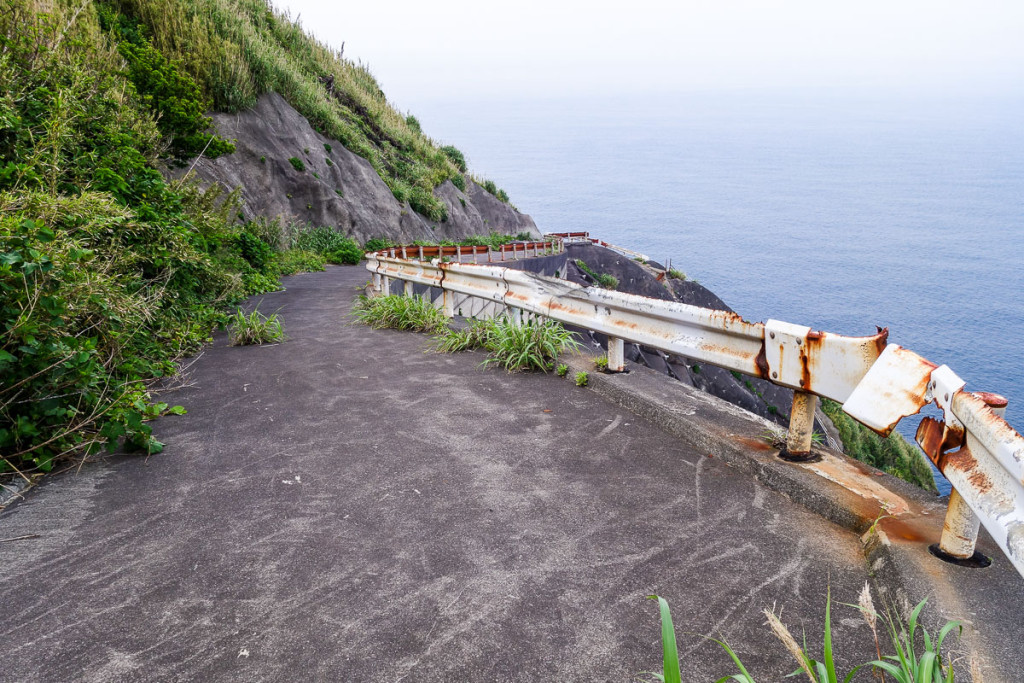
(238,49)
(109,272)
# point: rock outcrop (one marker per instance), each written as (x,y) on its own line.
(336,187)
(750,393)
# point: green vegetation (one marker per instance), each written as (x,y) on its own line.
(603,279)
(562,370)
(108,272)
(531,345)
(582,378)
(601,363)
(254,328)
(918,656)
(676,274)
(328,148)
(378,243)
(489,185)
(297,164)
(299,261)
(236,50)
(892,454)
(456,158)
(413,123)
(400,313)
(330,244)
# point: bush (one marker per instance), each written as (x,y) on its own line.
(378,244)
(350,254)
(297,164)
(254,250)
(298,261)
(400,313)
(582,378)
(532,345)
(457,158)
(254,328)
(413,123)
(459,181)
(323,240)
(164,87)
(562,370)
(892,454)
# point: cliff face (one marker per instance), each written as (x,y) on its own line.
(337,187)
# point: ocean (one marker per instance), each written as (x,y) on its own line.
(841,210)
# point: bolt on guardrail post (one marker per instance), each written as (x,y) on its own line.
(407,291)
(616,354)
(801,428)
(960,528)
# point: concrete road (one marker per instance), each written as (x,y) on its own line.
(346,506)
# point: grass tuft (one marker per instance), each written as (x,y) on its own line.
(400,313)
(254,328)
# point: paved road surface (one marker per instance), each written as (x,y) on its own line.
(347,507)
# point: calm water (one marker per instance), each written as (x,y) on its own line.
(832,210)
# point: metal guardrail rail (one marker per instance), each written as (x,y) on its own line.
(877,383)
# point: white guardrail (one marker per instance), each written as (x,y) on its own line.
(877,383)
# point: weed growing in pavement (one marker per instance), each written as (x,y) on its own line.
(254,328)
(582,378)
(918,656)
(400,313)
(562,370)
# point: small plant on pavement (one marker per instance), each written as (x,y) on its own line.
(254,328)
(400,313)
(562,370)
(582,378)
(918,657)
(532,345)
(601,362)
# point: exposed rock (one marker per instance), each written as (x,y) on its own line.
(337,188)
(756,395)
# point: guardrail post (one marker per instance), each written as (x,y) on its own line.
(408,288)
(448,303)
(616,354)
(385,287)
(801,428)
(960,528)
(376,282)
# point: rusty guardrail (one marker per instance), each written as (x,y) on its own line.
(584,237)
(877,383)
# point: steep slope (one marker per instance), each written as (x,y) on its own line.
(286,169)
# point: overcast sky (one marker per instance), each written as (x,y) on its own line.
(475,48)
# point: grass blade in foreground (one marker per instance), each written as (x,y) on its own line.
(670,655)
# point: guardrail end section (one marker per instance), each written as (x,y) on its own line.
(897,385)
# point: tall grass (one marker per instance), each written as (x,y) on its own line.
(918,657)
(530,345)
(240,49)
(414,313)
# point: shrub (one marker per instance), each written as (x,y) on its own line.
(323,240)
(172,95)
(254,328)
(377,244)
(328,148)
(473,337)
(892,454)
(562,370)
(258,253)
(582,378)
(399,313)
(456,157)
(413,123)
(297,164)
(328,161)
(601,363)
(349,254)
(298,261)
(676,274)
(459,181)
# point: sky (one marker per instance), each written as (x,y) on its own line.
(446,49)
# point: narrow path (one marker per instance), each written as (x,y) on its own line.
(347,507)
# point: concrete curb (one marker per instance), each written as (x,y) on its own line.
(897,521)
